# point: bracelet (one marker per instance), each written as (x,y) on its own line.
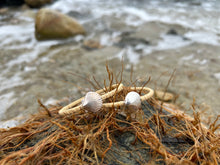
(68,110)
(142,98)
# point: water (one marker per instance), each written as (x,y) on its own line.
(28,65)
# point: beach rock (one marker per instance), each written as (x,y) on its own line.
(37,3)
(91,45)
(3,10)
(50,24)
(164,96)
(160,139)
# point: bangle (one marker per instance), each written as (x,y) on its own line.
(68,110)
(122,103)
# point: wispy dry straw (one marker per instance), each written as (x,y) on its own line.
(167,136)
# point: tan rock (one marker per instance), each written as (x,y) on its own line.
(164,96)
(37,3)
(91,44)
(3,10)
(50,24)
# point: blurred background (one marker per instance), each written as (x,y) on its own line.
(154,38)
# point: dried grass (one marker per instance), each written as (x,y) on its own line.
(162,134)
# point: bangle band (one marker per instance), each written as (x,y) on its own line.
(68,110)
(122,103)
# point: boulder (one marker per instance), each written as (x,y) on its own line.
(50,24)
(37,3)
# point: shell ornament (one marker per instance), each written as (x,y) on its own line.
(133,100)
(92,102)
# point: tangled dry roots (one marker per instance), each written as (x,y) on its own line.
(161,133)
